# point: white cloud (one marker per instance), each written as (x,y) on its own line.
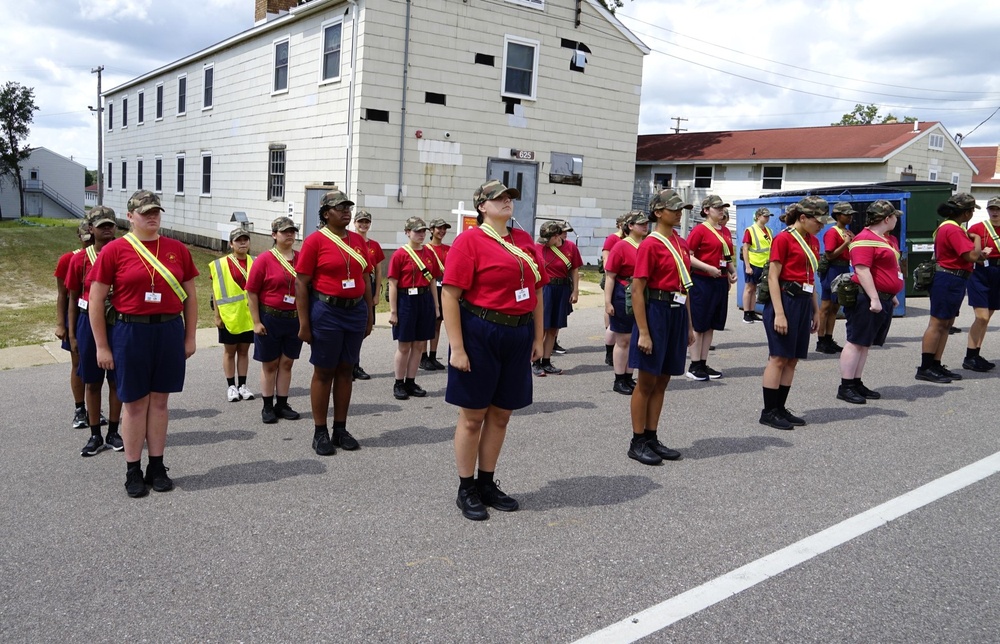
(115,9)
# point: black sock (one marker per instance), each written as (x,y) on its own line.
(926,360)
(484,477)
(971,353)
(155,463)
(409,381)
(231,382)
(846,382)
(81,405)
(95,430)
(619,377)
(321,430)
(282,402)
(432,355)
(133,465)
(399,381)
(339,424)
(608,349)
(783,394)
(636,438)
(466,482)
(423,356)
(241,380)
(546,361)
(771,398)
(649,434)
(268,402)
(113,426)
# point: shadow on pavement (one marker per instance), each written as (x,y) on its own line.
(916,392)
(587,491)
(550,407)
(249,474)
(177,414)
(724,446)
(198,437)
(407,436)
(850,413)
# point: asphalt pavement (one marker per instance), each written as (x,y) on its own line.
(264,541)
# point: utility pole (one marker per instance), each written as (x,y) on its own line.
(100,137)
(677,128)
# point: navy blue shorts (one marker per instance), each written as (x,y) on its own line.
(336,333)
(440,287)
(65,342)
(415,317)
(619,322)
(984,287)
(282,339)
(756,272)
(500,361)
(225,337)
(831,274)
(709,305)
(947,292)
(556,305)
(148,358)
(798,313)
(668,328)
(88,370)
(865,328)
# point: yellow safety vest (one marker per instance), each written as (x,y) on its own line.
(230,300)
(760,250)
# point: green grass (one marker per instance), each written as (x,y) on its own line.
(28,255)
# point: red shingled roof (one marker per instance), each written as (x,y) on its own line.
(985,159)
(830,142)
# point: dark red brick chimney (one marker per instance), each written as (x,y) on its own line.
(263,7)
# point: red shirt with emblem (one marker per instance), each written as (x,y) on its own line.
(621,261)
(271,281)
(441,252)
(795,266)
(329,265)
(375,253)
(832,240)
(950,243)
(880,261)
(120,266)
(404,270)
(656,264)
(489,275)
(705,246)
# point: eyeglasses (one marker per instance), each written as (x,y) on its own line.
(342,207)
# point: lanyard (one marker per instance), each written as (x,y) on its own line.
(681,268)
(419,262)
(341,244)
(722,240)
(518,253)
(155,264)
(810,255)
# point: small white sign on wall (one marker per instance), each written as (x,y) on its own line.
(291,209)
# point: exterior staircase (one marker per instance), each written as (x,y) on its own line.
(36,185)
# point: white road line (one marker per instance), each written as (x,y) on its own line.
(692,601)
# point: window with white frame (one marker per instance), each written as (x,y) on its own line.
(703,176)
(111,182)
(932,175)
(182,83)
(330,63)
(124,112)
(209,79)
(158,174)
(772,177)
(110,109)
(138,173)
(141,107)
(955,177)
(520,67)
(180,175)
(280,83)
(276,173)
(159,101)
(206,174)
(124,173)
(534,4)
(935,142)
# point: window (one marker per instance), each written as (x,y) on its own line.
(935,142)
(954,179)
(485,59)
(330,65)
(280,67)
(124,112)
(180,174)
(520,67)
(534,4)
(124,172)
(111,183)
(703,176)
(111,116)
(158,174)
(435,98)
(380,116)
(141,117)
(772,177)
(932,175)
(182,83)
(206,174)
(138,173)
(566,168)
(663,180)
(159,101)
(276,173)
(209,77)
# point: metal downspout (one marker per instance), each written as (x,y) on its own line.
(402,120)
(350,96)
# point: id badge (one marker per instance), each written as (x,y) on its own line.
(82,304)
(900,276)
(680,298)
(288,299)
(347,283)
(521,294)
(439,283)
(807,287)
(153,297)
(412,290)
(723,263)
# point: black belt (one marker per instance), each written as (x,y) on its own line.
(279,313)
(662,296)
(885,296)
(558,281)
(420,290)
(839,262)
(785,284)
(497,317)
(954,271)
(148,319)
(341,302)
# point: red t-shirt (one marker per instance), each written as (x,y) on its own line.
(489,275)
(441,252)
(404,270)
(375,253)
(329,266)
(950,242)
(554,265)
(706,247)
(79,276)
(794,263)
(988,242)
(572,252)
(621,262)
(227,262)
(62,265)
(271,281)
(120,266)
(610,242)
(881,261)
(831,240)
(656,264)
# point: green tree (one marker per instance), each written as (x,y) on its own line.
(868,114)
(17,110)
(89,178)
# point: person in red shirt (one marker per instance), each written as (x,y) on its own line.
(619,270)
(984,287)
(439,228)
(152,278)
(956,250)
(76,385)
(276,342)
(79,276)
(662,332)
(493,315)
(362,224)
(713,267)
(558,294)
(875,255)
(790,315)
(572,251)
(229,295)
(609,243)
(333,293)
(836,242)
(413,305)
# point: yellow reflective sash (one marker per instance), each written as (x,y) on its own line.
(512,249)
(993,234)
(157,265)
(722,240)
(810,255)
(437,257)
(235,262)
(91,255)
(419,262)
(867,243)
(284,262)
(633,243)
(946,222)
(560,255)
(678,259)
(345,247)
